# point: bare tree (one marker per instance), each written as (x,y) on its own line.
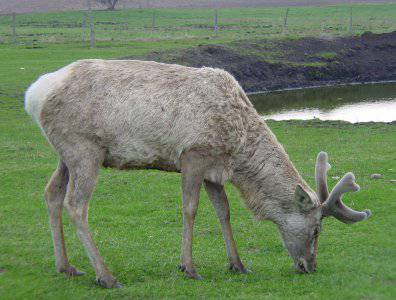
(110,4)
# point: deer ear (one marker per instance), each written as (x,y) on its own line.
(304,201)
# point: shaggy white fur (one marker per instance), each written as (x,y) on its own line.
(38,92)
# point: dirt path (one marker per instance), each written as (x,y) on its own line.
(268,65)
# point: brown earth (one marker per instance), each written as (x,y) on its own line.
(298,63)
(24,6)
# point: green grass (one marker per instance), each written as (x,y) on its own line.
(123,26)
(135,216)
(326,55)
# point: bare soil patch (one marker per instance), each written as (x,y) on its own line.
(299,63)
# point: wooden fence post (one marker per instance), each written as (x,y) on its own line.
(84,27)
(14,36)
(153,22)
(216,23)
(126,25)
(285,20)
(91,26)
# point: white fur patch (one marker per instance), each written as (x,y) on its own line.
(37,93)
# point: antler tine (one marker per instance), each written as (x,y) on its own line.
(336,208)
(348,215)
(321,169)
(346,184)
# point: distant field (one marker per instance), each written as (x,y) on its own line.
(197,25)
(19,6)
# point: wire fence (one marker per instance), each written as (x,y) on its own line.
(125,26)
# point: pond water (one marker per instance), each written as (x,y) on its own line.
(351,103)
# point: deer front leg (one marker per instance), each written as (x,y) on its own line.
(192,178)
(220,203)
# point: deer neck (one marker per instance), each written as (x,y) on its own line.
(265,176)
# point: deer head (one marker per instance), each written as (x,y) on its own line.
(300,231)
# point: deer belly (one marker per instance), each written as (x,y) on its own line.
(141,155)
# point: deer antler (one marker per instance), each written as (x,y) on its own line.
(332,204)
(321,169)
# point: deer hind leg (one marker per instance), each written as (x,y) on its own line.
(220,203)
(192,169)
(83,175)
(54,196)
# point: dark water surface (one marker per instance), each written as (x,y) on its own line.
(352,103)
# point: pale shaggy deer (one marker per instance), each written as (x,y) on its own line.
(138,114)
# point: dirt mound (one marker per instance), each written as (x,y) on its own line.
(303,62)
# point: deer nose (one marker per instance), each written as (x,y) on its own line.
(301,268)
(304,266)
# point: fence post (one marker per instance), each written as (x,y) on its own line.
(14,36)
(126,25)
(285,20)
(84,27)
(153,22)
(216,23)
(91,26)
(350,21)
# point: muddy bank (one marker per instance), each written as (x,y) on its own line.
(269,65)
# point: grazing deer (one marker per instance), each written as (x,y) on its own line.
(137,114)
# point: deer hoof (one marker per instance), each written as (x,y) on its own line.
(193,275)
(190,273)
(71,271)
(109,283)
(239,269)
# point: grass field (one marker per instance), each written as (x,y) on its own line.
(135,216)
(190,25)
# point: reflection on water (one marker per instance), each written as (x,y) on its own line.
(356,103)
(381,111)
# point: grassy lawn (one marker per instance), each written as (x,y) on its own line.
(135,216)
(136,220)
(123,26)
